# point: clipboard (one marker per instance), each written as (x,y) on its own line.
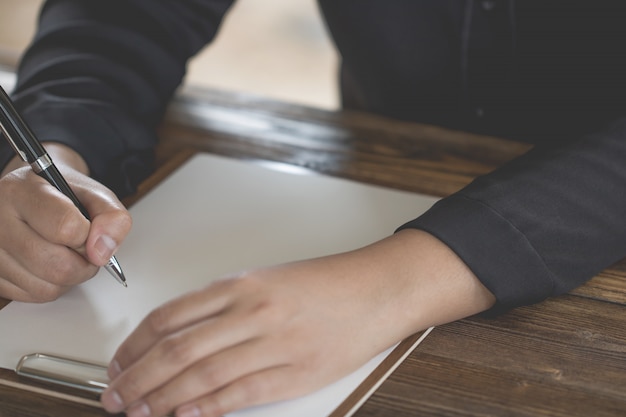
(92,378)
(266,184)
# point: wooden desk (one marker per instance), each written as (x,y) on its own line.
(563,357)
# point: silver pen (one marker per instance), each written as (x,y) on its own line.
(28,147)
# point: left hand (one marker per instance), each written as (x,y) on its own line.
(281,332)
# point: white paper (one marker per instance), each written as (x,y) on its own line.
(211,217)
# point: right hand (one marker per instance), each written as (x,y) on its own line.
(46,244)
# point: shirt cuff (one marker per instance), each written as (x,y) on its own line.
(496,252)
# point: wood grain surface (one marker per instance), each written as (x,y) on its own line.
(563,357)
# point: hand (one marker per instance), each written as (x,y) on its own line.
(281,332)
(46,244)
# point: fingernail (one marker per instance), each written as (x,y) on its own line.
(114,369)
(112,401)
(188,411)
(138,410)
(105,246)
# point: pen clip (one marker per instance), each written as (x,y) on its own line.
(64,371)
(9,138)
(17,133)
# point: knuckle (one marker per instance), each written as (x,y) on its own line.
(30,248)
(133,388)
(160,403)
(59,272)
(116,220)
(213,406)
(165,402)
(10,183)
(70,229)
(177,349)
(219,408)
(124,221)
(66,269)
(218,405)
(253,391)
(160,320)
(269,309)
(274,312)
(269,312)
(47,292)
(240,284)
(7,189)
(212,374)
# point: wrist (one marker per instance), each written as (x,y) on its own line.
(431,285)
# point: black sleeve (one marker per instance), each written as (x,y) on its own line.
(542,224)
(99,74)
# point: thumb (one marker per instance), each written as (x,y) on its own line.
(110,221)
(108,231)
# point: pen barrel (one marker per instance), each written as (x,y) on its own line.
(17,132)
(54,177)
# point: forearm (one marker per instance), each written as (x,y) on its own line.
(99,75)
(423,281)
(542,224)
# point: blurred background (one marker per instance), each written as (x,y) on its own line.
(274,48)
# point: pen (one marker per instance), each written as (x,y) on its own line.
(28,147)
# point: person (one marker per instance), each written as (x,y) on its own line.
(95,82)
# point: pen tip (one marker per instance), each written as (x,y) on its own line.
(115,269)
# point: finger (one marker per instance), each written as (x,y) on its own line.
(53,215)
(108,231)
(175,353)
(10,291)
(268,385)
(54,263)
(22,285)
(169,318)
(210,374)
(110,223)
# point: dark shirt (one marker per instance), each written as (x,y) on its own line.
(99,75)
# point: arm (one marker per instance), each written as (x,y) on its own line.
(549,221)
(542,224)
(270,334)
(95,81)
(98,77)
(273,334)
